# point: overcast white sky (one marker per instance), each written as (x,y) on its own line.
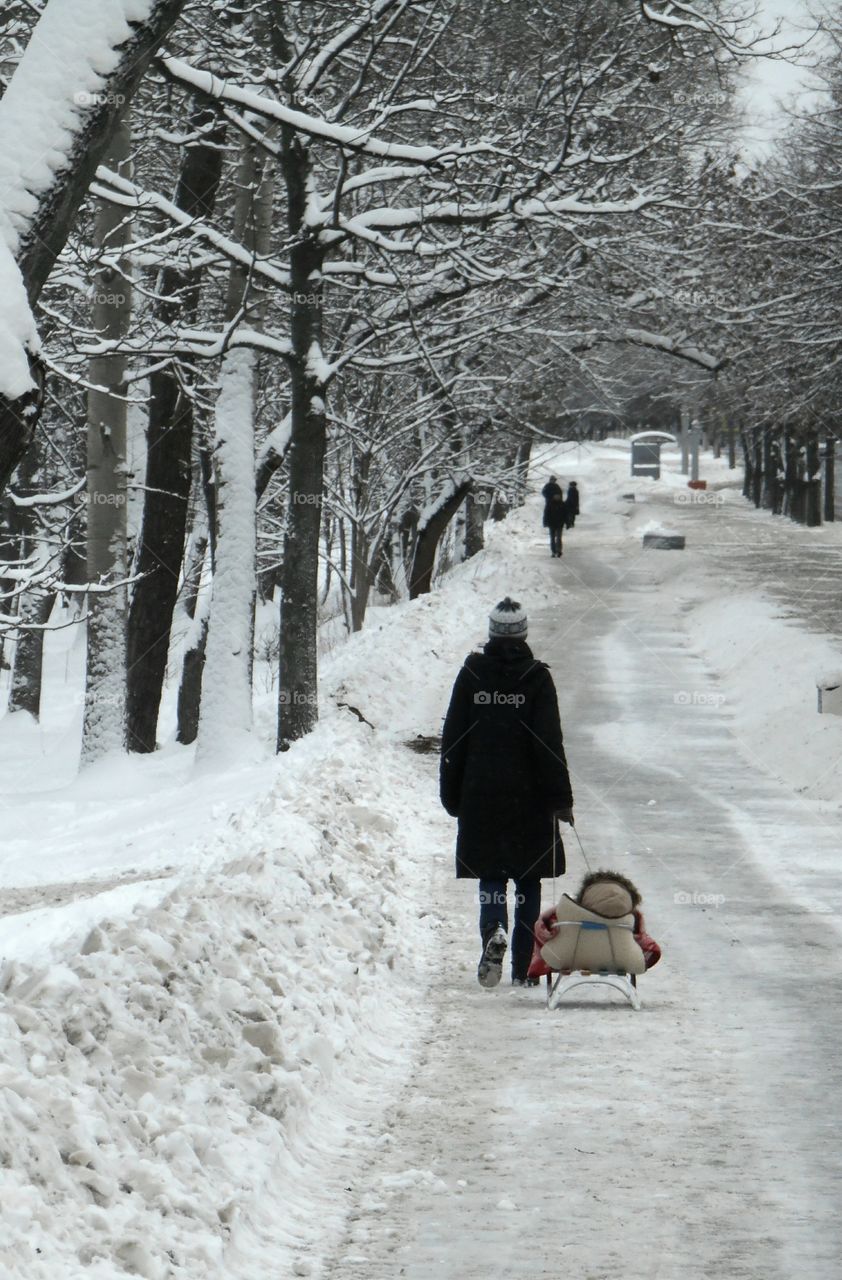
(772,81)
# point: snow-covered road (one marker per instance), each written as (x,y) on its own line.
(701,1136)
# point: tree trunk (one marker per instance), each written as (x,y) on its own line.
(168,470)
(25,688)
(830,478)
(195,608)
(23,539)
(190,688)
(10,535)
(799,484)
(748,479)
(524,452)
(757,467)
(298,677)
(408,534)
(429,536)
(360,595)
(790,476)
(476,512)
(769,477)
(732,445)
(225,720)
(385,583)
(777,478)
(104,723)
(502,503)
(813,494)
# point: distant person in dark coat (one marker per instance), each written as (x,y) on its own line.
(555,518)
(572,503)
(550,489)
(504,776)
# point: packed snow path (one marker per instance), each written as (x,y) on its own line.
(755,551)
(699,1137)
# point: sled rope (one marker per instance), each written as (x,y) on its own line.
(554,854)
(581,846)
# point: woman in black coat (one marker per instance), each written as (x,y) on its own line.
(504,776)
(555,513)
(555,519)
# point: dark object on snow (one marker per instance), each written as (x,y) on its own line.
(356,712)
(503,770)
(425,744)
(664,541)
(646,459)
(571,502)
(629,497)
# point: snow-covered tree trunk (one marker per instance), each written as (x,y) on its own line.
(225,718)
(431,526)
(104,725)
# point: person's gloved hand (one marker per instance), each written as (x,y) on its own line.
(565,815)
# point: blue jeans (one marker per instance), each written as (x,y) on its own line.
(493,910)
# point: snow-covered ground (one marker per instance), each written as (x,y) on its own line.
(240,1031)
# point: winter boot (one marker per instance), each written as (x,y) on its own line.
(490,968)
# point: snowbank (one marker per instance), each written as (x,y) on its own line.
(769,668)
(164,1090)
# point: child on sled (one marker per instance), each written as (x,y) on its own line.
(609,895)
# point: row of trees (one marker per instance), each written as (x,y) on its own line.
(309,279)
(768,299)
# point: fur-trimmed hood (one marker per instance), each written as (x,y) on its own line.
(608,893)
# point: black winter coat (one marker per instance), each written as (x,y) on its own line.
(572,499)
(503,768)
(555,512)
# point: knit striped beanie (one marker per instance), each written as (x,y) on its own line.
(507,619)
